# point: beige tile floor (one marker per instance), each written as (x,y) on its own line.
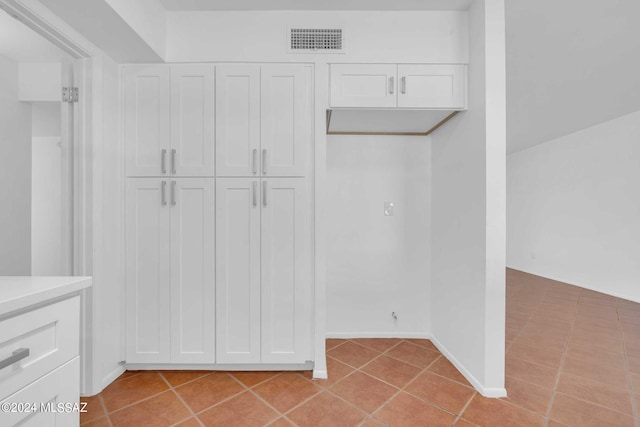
(573,359)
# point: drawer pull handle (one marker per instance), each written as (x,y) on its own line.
(17,356)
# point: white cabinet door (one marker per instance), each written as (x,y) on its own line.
(286,107)
(192,120)
(363,85)
(148,305)
(432,86)
(237,120)
(192,270)
(146,119)
(285,280)
(59,387)
(237,270)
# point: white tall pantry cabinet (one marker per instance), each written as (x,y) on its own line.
(218,214)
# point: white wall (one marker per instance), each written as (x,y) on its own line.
(15,173)
(370,36)
(378,264)
(46,190)
(145,17)
(45,119)
(468,228)
(572,64)
(40,81)
(573,211)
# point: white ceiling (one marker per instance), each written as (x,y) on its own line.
(571,64)
(175,5)
(21,44)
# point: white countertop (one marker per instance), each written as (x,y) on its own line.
(18,292)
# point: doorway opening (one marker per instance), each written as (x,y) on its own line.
(37,143)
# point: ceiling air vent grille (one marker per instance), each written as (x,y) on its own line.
(326,40)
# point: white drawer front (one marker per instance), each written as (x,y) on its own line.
(51,333)
(61,386)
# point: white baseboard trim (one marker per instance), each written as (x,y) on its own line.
(320,374)
(350,335)
(106,380)
(220,367)
(485,391)
(111,377)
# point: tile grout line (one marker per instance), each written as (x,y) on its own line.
(260,398)
(221,401)
(464,408)
(403,388)
(173,390)
(562,360)
(358,369)
(426,369)
(139,401)
(104,408)
(632,392)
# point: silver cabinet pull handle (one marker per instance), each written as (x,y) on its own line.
(173,193)
(404,84)
(16,356)
(163,161)
(264,193)
(264,161)
(173,162)
(391,84)
(253,192)
(255,161)
(164,191)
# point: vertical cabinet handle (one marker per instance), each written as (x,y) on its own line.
(254,163)
(163,161)
(404,84)
(264,193)
(264,161)
(392,84)
(173,162)
(173,193)
(253,192)
(164,192)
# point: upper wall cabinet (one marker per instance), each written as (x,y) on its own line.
(146,119)
(192,120)
(363,85)
(237,120)
(285,119)
(263,120)
(169,120)
(426,86)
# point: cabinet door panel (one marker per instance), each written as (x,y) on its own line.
(148,267)
(192,119)
(59,387)
(192,270)
(146,119)
(431,86)
(237,270)
(237,120)
(285,280)
(363,85)
(285,119)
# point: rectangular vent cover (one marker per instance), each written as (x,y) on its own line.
(327,40)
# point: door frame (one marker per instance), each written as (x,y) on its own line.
(40,19)
(36,16)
